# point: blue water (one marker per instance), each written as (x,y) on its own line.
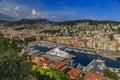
(42,49)
(85,59)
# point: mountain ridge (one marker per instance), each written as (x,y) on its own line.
(42,22)
(68,21)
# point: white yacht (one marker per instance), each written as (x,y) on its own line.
(60,53)
(99,60)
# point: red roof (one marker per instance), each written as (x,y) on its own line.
(95,76)
(74,73)
(59,65)
(39,64)
(48,61)
(34,55)
(49,66)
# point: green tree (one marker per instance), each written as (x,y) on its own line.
(80,78)
(50,74)
(15,67)
(30,39)
(110,74)
(111,37)
(7,45)
(12,65)
(1,43)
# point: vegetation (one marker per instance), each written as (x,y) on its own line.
(15,67)
(51,31)
(49,74)
(30,39)
(80,78)
(12,65)
(111,37)
(92,22)
(7,45)
(111,74)
(24,23)
(21,28)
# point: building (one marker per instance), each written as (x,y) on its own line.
(103,45)
(74,73)
(59,65)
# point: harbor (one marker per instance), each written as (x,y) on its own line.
(41,47)
(107,54)
(74,57)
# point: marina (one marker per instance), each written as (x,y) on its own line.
(73,57)
(80,57)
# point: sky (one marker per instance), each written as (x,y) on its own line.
(60,10)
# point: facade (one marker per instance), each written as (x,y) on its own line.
(103,45)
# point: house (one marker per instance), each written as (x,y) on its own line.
(74,73)
(59,65)
(38,58)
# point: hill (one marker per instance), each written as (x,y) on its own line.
(92,22)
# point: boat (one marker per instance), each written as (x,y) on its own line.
(60,53)
(99,60)
(35,51)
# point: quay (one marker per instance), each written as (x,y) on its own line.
(96,65)
(85,50)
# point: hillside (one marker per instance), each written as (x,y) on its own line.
(25,23)
(92,22)
(66,27)
(44,21)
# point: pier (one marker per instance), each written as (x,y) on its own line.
(96,65)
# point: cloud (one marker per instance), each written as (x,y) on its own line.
(13,9)
(19,11)
(17,8)
(41,14)
(34,13)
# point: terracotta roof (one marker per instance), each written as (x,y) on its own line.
(39,64)
(59,65)
(74,73)
(34,55)
(95,76)
(48,61)
(49,66)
